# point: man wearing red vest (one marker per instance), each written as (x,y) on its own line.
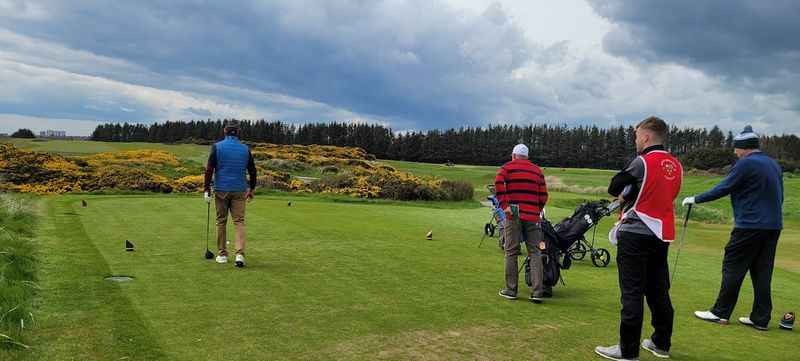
(648,187)
(520,184)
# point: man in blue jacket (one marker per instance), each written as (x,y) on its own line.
(755,184)
(227,162)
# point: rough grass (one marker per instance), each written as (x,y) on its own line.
(18,271)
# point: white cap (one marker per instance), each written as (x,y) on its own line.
(520,149)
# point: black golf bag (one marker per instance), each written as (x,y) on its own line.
(553,258)
(570,232)
(574,227)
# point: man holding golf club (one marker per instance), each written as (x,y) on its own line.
(520,187)
(227,163)
(755,184)
(648,187)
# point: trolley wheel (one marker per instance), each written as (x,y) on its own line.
(601,257)
(577,251)
(488,229)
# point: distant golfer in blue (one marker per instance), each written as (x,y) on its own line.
(227,163)
(755,184)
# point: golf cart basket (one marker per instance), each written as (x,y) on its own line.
(570,233)
(497,221)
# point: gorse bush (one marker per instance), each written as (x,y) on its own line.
(283,165)
(142,157)
(348,171)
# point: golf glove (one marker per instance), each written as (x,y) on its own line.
(207,197)
(687,201)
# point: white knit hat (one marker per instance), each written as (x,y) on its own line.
(747,139)
(520,149)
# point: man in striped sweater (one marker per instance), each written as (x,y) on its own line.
(520,185)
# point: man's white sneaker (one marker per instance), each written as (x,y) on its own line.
(222,259)
(612,353)
(710,317)
(746,321)
(239,260)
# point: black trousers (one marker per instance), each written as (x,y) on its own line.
(643,273)
(748,250)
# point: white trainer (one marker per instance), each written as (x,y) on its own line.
(222,259)
(747,322)
(710,317)
(239,260)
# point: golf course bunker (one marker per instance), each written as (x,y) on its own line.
(119,278)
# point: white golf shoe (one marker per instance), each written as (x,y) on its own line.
(222,259)
(747,322)
(239,260)
(710,317)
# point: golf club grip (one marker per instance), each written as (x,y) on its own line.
(688,214)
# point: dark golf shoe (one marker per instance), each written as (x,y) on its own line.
(787,322)
(509,294)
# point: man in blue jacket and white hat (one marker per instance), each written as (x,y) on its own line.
(755,184)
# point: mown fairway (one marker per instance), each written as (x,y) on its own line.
(331,279)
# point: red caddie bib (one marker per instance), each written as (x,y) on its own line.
(663,175)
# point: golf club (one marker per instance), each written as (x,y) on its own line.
(680,246)
(209,254)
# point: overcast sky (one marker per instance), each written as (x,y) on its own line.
(416,64)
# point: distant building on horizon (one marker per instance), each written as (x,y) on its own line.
(53,134)
(3,135)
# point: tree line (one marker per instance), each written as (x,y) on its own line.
(550,145)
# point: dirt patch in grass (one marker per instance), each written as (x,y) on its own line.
(472,343)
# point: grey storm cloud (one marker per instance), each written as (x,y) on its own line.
(747,43)
(416,60)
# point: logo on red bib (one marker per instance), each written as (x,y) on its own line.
(670,169)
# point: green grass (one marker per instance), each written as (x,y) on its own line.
(333,278)
(192,152)
(18,271)
(358,281)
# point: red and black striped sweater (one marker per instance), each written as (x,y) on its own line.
(522,183)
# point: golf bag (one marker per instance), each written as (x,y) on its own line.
(570,232)
(552,261)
